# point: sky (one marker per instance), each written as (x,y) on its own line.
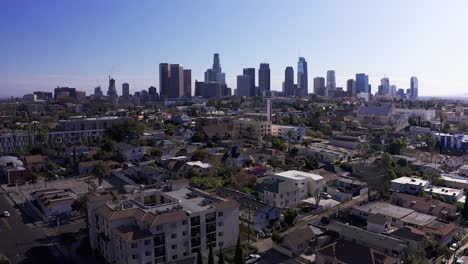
(50,43)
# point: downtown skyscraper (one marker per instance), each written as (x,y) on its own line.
(264,78)
(331,83)
(288,85)
(302,76)
(125,90)
(362,83)
(251,73)
(319,86)
(112,90)
(171,81)
(414,88)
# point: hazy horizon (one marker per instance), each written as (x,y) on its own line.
(78,44)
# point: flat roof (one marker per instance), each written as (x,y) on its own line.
(385,209)
(444,190)
(298,175)
(419,219)
(411,181)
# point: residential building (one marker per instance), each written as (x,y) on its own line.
(409,185)
(253,213)
(53,202)
(12,170)
(156,226)
(425,205)
(129,152)
(297,132)
(299,240)
(378,115)
(34,163)
(251,129)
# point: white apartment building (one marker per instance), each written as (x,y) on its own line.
(409,185)
(289,188)
(156,226)
(297,132)
(251,128)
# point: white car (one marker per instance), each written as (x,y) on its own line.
(6,214)
(252,258)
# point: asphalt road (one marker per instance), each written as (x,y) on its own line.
(20,240)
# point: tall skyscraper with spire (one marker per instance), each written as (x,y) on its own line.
(302,75)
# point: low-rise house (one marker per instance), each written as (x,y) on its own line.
(410,185)
(12,170)
(299,240)
(289,188)
(347,252)
(454,181)
(441,232)
(326,153)
(198,167)
(379,115)
(53,202)
(34,163)
(447,194)
(87,167)
(144,174)
(425,205)
(252,212)
(414,238)
(463,170)
(236,157)
(129,152)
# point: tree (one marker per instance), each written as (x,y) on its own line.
(101,170)
(306,144)
(79,205)
(108,146)
(199,258)
(317,197)
(199,155)
(396,145)
(431,144)
(221,256)
(238,257)
(293,151)
(198,137)
(278,144)
(290,215)
(156,153)
(210,255)
(290,134)
(126,130)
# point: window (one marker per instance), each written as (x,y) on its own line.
(220,224)
(220,214)
(174,257)
(184,233)
(148,253)
(158,228)
(184,222)
(134,256)
(174,235)
(174,246)
(221,244)
(133,245)
(147,242)
(220,234)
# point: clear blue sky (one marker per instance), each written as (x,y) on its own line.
(78,43)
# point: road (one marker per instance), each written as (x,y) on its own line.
(21,240)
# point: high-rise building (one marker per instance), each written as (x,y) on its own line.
(187,82)
(414,88)
(269,110)
(125,90)
(384,88)
(288,85)
(176,81)
(153,93)
(216,64)
(215,74)
(302,75)
(319,86)
(251,73)
(243,85)
(264,78)
(98,92)
(331,82)
(164,75)
(112,90)
(64,92)
(393,89)
(351,87)
(362,83)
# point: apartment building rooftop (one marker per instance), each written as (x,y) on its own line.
(385,209)
(298,175)
(411,181)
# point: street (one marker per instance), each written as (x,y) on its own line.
(21,241)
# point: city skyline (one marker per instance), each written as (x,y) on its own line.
(43,55)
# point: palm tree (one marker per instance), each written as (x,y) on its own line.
(221,257)
(101,170)
(290,134)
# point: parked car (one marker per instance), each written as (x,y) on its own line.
(6,213)
(454,246)
(326,196)
(252,258)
